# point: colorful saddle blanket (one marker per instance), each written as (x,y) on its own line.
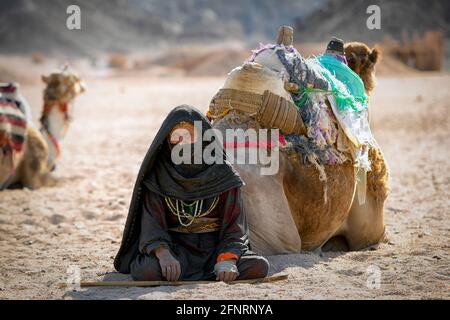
(320,80)
(13,125)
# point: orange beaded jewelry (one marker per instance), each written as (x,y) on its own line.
(227,256)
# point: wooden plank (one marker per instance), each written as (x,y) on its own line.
(85,284)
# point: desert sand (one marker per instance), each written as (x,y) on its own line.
(80,221)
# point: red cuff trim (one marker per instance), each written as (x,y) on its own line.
(227,256)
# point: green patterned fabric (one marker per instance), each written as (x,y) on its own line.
(346,85)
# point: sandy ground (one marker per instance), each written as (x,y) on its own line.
(79,222)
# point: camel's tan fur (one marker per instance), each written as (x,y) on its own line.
(318,215)
(377,178)
(32,169)
(33,165)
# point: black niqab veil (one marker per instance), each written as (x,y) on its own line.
(161,176)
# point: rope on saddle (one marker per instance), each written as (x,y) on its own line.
(269,109)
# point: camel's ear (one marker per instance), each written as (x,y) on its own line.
(375,55)
(45,79)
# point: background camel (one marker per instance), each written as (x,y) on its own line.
(32,166)
(296,209)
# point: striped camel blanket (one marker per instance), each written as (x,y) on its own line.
(13,125)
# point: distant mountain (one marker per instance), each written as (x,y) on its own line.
(119,25)
(347,19)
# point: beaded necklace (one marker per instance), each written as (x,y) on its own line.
(188,212)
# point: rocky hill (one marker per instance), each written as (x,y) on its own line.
(117,25)
(347,19)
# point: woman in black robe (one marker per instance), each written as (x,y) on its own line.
(186,221)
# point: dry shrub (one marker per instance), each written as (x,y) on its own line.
(142,63)
(422,52)
(37,57)
(118,61)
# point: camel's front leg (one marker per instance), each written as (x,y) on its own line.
(365,223)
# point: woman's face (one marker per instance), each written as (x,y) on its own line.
(183,133)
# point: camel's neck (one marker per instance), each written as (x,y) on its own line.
(54,121)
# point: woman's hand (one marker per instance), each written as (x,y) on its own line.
(227,276)
(170,267)
(226,271)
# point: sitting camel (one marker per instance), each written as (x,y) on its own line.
(29,162)
(296,209)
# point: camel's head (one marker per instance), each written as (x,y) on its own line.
(61,90)
(62,87)
(362,60)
